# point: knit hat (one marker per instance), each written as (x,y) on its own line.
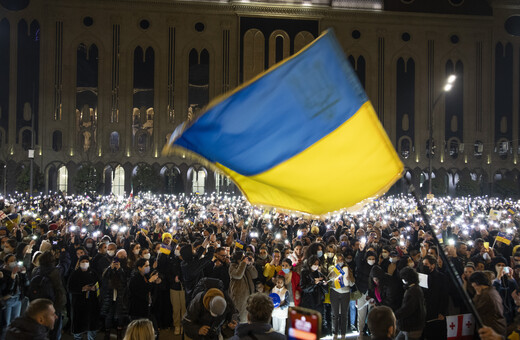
(165,235)
(217,306)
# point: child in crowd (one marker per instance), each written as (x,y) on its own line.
(280,312)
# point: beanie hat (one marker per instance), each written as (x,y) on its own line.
(217,306)
(165,235)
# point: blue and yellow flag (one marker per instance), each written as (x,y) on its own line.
(165,249)
(504,238)
(301,136)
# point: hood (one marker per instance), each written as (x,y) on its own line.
(24,328)
(244,329)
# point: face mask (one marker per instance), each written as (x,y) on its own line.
(146,270)
(136,251)
(84,266)
(12,265)
(486,257)
(393,259)
(146,256)
(8,250)
(111,252)
(348,260)
(385,255)
(314,267)
(371,262)
(320,253)
(263,257)
(286,270)
(89,245)
(330,255)
(340,264)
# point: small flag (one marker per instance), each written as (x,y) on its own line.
(493,214)
(339,282)
(144,231)
(337,269)
(289,126)
(239,244)
(165,249)
(97,288)
(511,210)
(504,238)
(460,327)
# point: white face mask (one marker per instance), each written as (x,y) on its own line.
(314,268)
(84,265)
(393,259)
(371,262)
(486,256)
(146,256)
(330,255)
(348,260)
(136,251)
(340,264)
(111,252)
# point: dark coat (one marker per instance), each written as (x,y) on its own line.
(25,328)
(99,263)
(114,280)
(197,315)
(53,273)
(362,272)
(412,314)
(436,296)
(84,305)
(139,291)
(192,271)
(313,294)
(389,291)
(260,331)
(219,272)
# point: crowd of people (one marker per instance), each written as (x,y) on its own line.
(214,267)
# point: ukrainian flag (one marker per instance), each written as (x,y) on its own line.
(302,136)
(504,238)
(165,249)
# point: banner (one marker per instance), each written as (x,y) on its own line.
(460,327)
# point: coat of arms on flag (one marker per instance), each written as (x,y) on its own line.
(460,327)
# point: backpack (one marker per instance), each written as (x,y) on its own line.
(40,287)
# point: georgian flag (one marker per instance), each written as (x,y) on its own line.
(460,327)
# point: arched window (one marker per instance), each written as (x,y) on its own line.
(63,178)
(478,149)
(198,181)
(453,148)
(118,182)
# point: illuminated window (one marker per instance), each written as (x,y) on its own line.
(198,181)
(63,178)
(118,182)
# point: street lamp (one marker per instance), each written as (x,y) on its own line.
(446,88)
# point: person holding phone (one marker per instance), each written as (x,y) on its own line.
(505,286)
(83,286)
(313,284)
(15,279)
(242,272)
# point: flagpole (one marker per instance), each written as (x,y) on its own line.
(454,275)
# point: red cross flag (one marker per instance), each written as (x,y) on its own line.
(460,327)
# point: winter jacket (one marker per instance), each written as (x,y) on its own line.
(436,296)
(26,328)
(139,293)
(114,293)
(84,305)
(313,294)
(489,306)
(256,331)
(53,273)
(192,271)
(362,272)
(241,285)
(198,315)
(412,314)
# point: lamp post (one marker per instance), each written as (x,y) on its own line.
(446,88)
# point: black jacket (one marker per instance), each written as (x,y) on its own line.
(25,328)
(412,314)
(139,292)
(312,294)
(436,296)
(54,275)
(362,272)
(84,306)
(193,270)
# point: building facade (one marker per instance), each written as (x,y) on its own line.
(105,82)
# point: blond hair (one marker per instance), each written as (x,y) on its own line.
(140,329)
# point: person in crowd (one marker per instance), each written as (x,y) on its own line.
(15,282)
(48,270)
(83,287)
(411,316)
(341,279)
(382,323)
(505,285)
(292,282)
(139,329)
(259,310)
(364,263)
(242,273)
(280,314)
(314,285)
(114,309)
(488,303)
(207,314)
(436,300)
(140,288)
(193,265)
(39,318)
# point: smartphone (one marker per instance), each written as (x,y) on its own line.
(506,270)
(304,324)
(486,245)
